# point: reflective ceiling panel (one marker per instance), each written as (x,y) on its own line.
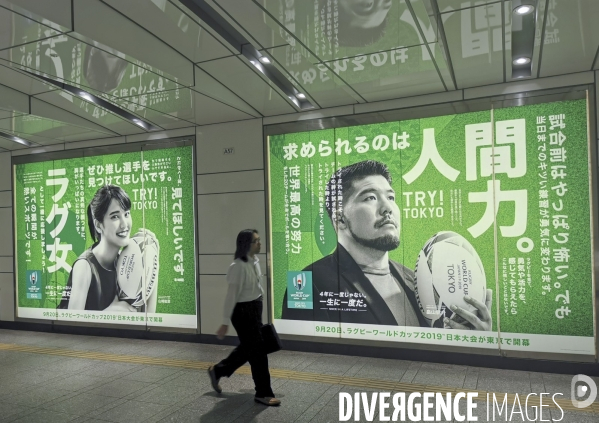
(171,24)
(162,108)
(90,111)
(8,145)
(311,79)
(440,60)
(571,37)
(181,108)
(91,18)
(49,111)
(238,76)
(425,19)
(16,29)
(9,114)
(37,139)
(507,51)
(247,17)
(475,39)
(54,13)
(536,53)
(208,110)
(36,128)
(163,63)
(13,100)
(332,30)
(447,5)
(383,76)
(89,67)
(210,87)
(21,81)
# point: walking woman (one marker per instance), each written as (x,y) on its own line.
(243,308)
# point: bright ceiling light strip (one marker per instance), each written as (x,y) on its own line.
(18,140)
(100,102)
(523,37)
(261,62)
(522,61)
(524,9)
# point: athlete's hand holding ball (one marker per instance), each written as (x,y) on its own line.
(137,270)
(451,281)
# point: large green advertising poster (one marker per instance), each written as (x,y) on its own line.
(470,230)
(107,239)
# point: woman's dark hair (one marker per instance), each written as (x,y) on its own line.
(99,206)
(244,242)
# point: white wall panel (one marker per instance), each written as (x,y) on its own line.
(5,172)
(6,264)
(154,136)
(208,85)
(524,86)
(213,289)
(6,246)
(245,137)
(402,103)
(37,150)
(95,143)
(222,216)
(252,180)
(237,74)
(5,199)
(312,114)
(7,297)
(209,111)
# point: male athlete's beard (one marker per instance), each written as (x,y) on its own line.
(382,243)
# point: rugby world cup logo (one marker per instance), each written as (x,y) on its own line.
(299,281)
(299,290)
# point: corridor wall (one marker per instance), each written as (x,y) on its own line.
(230,184)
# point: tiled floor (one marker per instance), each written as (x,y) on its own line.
(40,387)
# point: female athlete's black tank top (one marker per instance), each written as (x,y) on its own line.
(102,288)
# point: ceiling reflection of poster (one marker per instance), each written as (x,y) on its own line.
(370,45)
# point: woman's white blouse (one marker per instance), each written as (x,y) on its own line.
(243,279)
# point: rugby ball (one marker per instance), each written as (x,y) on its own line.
(447,269)
(137,270)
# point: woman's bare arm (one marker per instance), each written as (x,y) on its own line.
(81,278)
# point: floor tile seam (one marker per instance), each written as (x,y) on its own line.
(357,371)
(138,398)
(282,373)
(93,413)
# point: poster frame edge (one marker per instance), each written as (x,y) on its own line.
(189,140)
(537,97)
